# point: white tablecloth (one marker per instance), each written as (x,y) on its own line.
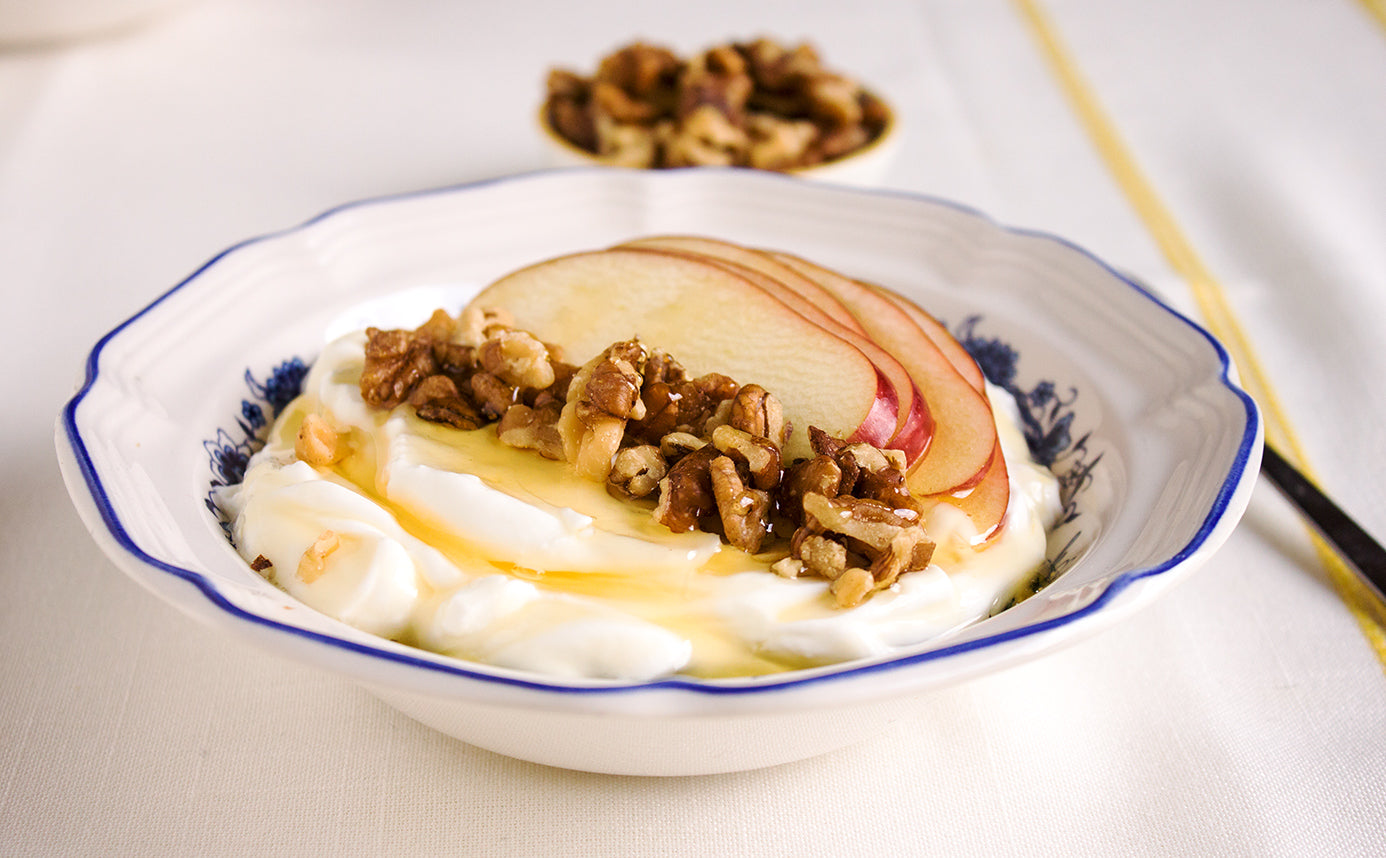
(1243,714)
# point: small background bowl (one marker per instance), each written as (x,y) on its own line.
(1157,446)
(864,167)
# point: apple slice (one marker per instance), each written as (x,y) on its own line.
(914,425)
(770,267)
(986,502)
(964,427)
(712,320)
(942,337)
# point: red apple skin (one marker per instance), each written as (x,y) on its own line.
(913,429)
(710,318)
(964,433)
(878,426)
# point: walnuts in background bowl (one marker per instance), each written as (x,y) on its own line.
(755,104)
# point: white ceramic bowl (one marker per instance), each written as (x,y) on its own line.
(865,167)
(1157,446)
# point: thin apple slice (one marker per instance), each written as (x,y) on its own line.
(711,320)
(731,252)
(941,336)
(914,425)
(986,502)
(964,427)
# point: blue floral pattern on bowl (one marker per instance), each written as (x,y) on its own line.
(229,451)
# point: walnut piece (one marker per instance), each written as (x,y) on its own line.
(313,563)
(603,395)
(758,455)
(676,445)
(755,411)
(852,587)
(706,137)
(532,429)
(636,472)
(744,511)
(517,358)
(493,395)
(476,324)
(396,360)
(318,443)
(685,493)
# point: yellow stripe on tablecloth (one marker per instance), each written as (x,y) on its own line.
(1377,9)
(1212,300)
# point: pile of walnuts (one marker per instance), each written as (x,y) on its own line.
(755,104)
(707,452)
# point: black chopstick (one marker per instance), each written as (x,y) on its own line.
(1356,547)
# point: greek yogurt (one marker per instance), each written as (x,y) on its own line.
(454,542)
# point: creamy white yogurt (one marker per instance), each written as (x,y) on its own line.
(454,542)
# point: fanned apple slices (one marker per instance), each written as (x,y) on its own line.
(855,360)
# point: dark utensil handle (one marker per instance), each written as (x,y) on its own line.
(1357,547)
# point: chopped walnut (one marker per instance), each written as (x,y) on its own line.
(610,100)
(909,551)
(260,563)
(760,457)
(532,429)
(676,445)
(712,88)
(433,388)
(395,361)
(820,475)
(788,567)
(493,395)
(745,512)
(779,144)
(613,386)
(755,411)
(625,144)
(603,395)
(685,493)
(440,326)
(314,560)
(892,541)
(572,119)
(870,523)
(777,69)
(318,443)
(517,358)
(833,98)
(438,400)
(476,324)
(454,360)
(839,141)
(640,69)
(821,555)
(706,137)
(636,472)
(852,587)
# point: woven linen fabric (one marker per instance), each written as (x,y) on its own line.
(1243,714)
